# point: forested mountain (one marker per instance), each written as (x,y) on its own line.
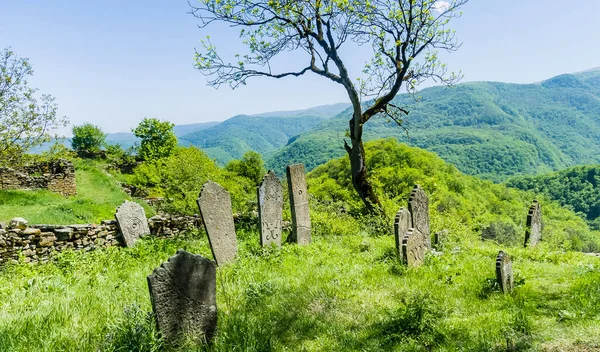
(263,133)
(490,129)
(577,188)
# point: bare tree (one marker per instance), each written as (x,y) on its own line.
(404,36)
(23,122)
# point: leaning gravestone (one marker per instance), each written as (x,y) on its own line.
(270,209)
(504,273)
(298,204)
(418,205)
(215,208)
(413,248)
(184,298)
(533,227)
(132,222)
(401,225)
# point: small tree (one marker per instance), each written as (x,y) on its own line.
(24,122)
(157,139)
(403,35)
(251,166)
(87,139)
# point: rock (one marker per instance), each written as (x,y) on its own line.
(31,231)
(18,223)
(183,295)
(64,234)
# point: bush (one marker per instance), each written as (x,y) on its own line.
(87,139)
(251,166)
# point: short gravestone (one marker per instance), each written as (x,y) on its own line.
(504,272)
(413,248)
(215,208)
(418,205)
(299,204)
(270,209)
(132,222)
(183,295)
(402,223)
(533,227)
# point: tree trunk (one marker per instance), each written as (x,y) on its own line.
(356,153)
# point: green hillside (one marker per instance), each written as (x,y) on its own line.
(263,133)
(346,291)
(493,130)
(577,188)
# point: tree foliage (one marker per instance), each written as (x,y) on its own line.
(25,121)
(251,166)
(157,139)
(87,138)
(403,34)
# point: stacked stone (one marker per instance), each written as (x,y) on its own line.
(57,176)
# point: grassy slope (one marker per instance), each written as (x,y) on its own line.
(345,291)
(98,196)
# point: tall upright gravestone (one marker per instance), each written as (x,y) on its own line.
(215,208)
(184,298)
(402,223)
(533,227)
(299,204)
(504,272)
(418,205)
(270,209)
(132,222)
(413,248)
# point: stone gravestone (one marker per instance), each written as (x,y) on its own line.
(402,223)
(132,222)
(439,238)
(418,205)
(413,248)
(215,208)
(298,204)
(504,273)
(184,298)
(270,210)
(533,227)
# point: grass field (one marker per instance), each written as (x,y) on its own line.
(98,196)
(341,293)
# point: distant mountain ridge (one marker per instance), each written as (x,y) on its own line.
(490,129)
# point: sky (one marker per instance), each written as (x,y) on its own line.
(114,62)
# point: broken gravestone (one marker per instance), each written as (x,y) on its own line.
(215,208)
(418,205)
(504,273)
(298,204)
(533,227)
(183,295)
(270,209)
(402,223)
(413,248)
(132,222)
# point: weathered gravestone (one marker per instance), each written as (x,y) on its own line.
(183,295)
(270,209)
(402,223)
(533,227)
(413,248)
(418,205)
(215,208)
(132,222)
(504,273)
(298,204)
(439,238)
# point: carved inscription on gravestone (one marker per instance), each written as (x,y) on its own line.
(298,204)
(533,227)
(402,223)
(418,205)
(413,248)
(215,208)
(270,209)
(132,222)
(504,272)
(183,295)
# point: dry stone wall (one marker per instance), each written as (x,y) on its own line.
(38,243)
(57,176)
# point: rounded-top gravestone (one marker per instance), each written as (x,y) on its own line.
(132,222)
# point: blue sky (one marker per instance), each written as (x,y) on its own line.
(114,62)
